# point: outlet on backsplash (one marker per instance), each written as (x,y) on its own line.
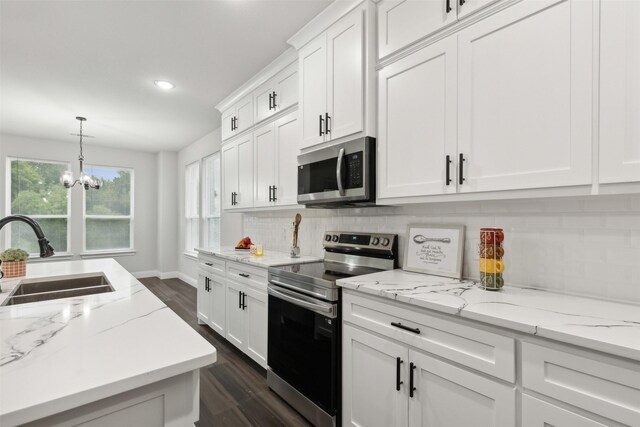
(554,233)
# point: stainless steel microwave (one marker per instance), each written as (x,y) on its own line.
(340,176)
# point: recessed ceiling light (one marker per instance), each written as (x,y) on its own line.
(163,84)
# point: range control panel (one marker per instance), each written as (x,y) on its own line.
(337,239)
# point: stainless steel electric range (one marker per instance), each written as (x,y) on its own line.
(304,330)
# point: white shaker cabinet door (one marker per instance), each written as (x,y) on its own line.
(537,413)
(286,87)
(236,319)
(204,299)
(525,97)
(467,7)
(369,380)
(263,101)
(256,323)
(244,114)
(402,22)
(287,133)
(619,91)
(227,123)
(218,304)
(446,395)
(417,123)
(230,174)
(264,146)
(345,78)
(312,65)
(245,172)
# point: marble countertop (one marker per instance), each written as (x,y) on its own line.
(606,326)
(61,354)
(269,259)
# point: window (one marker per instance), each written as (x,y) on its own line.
(191,207)
(34,189)
(108,212)
(211,200)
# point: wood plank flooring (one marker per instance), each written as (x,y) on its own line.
(233,391)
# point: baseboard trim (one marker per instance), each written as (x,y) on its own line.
(169,275)
(188,279)
(143,274)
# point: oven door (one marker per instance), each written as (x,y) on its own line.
(343,173)
(304,345)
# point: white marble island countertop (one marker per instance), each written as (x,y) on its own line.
(599,325)
(60,354)
(269,259)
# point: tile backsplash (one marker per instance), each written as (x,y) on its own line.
(586,246)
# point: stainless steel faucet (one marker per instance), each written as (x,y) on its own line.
(45,248)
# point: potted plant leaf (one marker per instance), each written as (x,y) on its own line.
(14,262)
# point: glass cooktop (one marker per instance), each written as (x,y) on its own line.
(324,270)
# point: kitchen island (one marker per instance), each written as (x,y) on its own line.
(120,357)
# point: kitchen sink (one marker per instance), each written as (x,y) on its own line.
(35,290)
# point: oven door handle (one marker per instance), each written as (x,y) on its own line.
(284,285)
(328,310)
(339,171)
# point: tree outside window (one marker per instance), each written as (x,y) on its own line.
(34,190)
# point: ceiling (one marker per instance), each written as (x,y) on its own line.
(99,59)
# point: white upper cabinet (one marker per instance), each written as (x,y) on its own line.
(287,135)
(237,170)
(277,94)
(237,118)
(265,159)
(403,22)
(417,119)
(332,72)
(312,63)
(230,175)
(525,97)
(619,91)
(345,77)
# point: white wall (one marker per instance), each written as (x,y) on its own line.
(231,224)
(146,200)
(586,246)
(168,216)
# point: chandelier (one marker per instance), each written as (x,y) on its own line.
(87,181)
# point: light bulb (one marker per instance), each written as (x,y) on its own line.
(66,178)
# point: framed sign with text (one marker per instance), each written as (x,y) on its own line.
(434,249)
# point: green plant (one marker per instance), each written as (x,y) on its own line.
(14,255)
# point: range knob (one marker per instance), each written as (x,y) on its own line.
(375,241)
(335,238)
(384,241)
(327,237)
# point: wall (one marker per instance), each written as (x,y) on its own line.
(167,230)
(231,224)
(144,260)
(586,246)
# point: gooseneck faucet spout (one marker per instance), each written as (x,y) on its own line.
(45,248)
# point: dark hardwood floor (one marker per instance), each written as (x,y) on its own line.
(233,391)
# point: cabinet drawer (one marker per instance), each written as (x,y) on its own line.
(211,265)
(538,413)
(255,277)
(484,351)
(607,387)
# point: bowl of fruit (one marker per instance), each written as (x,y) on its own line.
(244,244)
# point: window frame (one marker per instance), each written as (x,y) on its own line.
(192,253)
(7,230)
(131,216)
(204,218)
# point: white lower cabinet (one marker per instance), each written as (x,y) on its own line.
(247,320)
(232,300)
(385,383)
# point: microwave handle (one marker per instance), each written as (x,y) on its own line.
(339,171)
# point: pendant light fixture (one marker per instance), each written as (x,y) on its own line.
(85,180)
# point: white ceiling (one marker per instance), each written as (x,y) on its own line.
(98,59)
